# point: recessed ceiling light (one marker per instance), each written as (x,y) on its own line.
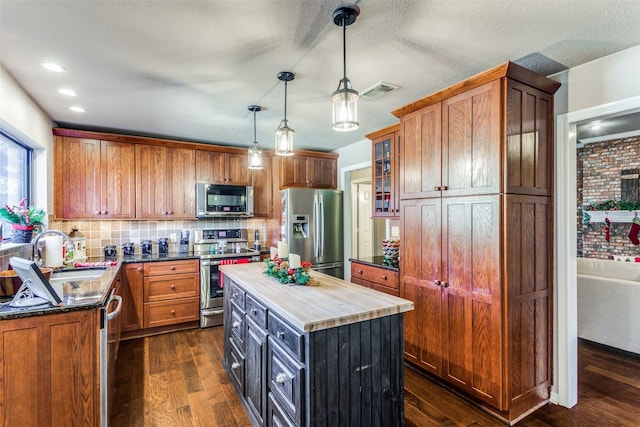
(53,67)
(67,92)
(77,109)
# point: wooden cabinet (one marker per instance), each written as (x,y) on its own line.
(263,192)
(132,297)
(378,278)
(171,292)
(219,167)
(385,145)
(309,169)
(93,179)
(49,372)
(476,231)
(165,177)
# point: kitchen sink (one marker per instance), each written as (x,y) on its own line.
(76,275)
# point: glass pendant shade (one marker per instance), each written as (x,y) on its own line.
(284,139)
(255,152)
(255,156)
(345,108)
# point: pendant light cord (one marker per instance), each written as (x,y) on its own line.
(285,101)
(344,52)
(255,139)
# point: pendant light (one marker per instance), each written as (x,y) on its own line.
(255,152)
(345,99)
(284,134)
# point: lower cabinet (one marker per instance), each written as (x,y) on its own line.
(171,292)
(49,370)
(378,278)
(350,375)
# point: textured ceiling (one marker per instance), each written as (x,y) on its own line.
(189,69)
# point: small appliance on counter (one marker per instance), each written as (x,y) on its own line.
(110,252)
(183,243)
(163,246)
(128,249)
(79,245)
(146,247)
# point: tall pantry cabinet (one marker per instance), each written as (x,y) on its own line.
(476,165)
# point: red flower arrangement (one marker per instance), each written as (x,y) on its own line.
(279,269)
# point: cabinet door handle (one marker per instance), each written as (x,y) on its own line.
(280,335)
(236,324)
(437,282)
(140,269)
(254,311)
(437,188)
(170,213)
(445,187)
(281,378)
(235,365)
(445,284)
(359,271)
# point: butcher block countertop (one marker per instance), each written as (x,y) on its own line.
(325,302)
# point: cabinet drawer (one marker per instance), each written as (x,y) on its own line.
(288,337)
(256,311)
(380,276)
(171,267)
(387,290)
(163,313)
(276,416)
(237,323)
(160,288)
(236,367)
(237,294)
(286,381)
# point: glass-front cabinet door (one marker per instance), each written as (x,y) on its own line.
(385,175)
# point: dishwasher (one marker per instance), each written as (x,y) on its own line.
(110,328)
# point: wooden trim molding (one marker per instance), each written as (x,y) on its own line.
(383,131)
(508,69)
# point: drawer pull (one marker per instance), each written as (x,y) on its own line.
(173,312)
(359,271)
(173,286)
(173,267)
(281,378)
(384,277)
(280,335)
(254,311)
(236,324)
(235,365)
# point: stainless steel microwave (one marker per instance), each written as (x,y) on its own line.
(213,200)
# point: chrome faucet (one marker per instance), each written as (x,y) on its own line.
(37,255)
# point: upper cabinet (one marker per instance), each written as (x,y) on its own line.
(165,177)
(93,179)
(309,169)
(216,167)
(471,139)
(262,181)
(385,157)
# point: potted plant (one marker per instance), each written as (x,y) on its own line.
(23,219)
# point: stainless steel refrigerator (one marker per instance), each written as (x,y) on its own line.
(312,226)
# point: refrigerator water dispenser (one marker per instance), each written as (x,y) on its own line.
(300,226)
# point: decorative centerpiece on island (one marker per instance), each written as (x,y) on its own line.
(24,220)
(286,267)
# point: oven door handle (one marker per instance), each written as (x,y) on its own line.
(112,315)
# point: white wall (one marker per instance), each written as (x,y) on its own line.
(21,117)
(351,157)
(605,80)
(608,85)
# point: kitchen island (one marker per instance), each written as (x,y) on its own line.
(328,353)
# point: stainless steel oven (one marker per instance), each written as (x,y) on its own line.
(216,248)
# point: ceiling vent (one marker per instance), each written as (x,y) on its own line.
(378,90)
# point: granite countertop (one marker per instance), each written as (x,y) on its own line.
(325,302)
(171,256)
(378,261)
(77,295)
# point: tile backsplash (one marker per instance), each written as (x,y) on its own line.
(21,250)
(102,233)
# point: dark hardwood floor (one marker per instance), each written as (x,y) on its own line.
(176,379)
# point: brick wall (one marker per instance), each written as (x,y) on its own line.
(599,165)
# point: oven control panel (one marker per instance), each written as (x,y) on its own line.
(221,234)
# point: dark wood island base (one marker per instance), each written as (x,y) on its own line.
(344,368)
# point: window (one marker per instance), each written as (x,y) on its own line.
(15,173)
